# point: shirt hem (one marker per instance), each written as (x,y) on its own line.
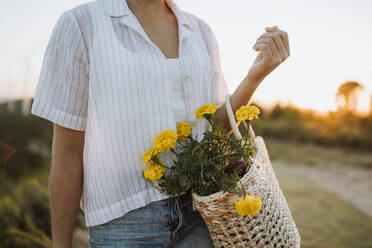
(116,210)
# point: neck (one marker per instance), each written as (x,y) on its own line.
(152,6)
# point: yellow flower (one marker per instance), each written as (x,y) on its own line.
(165,140)
(154,171)
(148,154)
(208,108)
(183,130)
(248,205)
(247,113)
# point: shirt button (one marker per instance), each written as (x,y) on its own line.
(187,78)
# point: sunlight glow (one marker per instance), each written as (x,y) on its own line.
(329,41)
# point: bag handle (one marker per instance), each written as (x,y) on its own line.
(232,120)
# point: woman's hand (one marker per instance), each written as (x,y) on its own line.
(273,47)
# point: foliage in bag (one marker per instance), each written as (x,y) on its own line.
(215,163)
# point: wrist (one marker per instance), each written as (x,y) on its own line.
(252,80)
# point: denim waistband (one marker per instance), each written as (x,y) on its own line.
(183,201)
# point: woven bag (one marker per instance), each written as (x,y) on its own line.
(272,226)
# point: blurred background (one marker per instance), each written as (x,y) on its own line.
(316,112)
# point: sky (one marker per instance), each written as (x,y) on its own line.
(330,43)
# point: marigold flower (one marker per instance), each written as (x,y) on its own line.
(154,171)
(208,108)
(165,140)
(248,205)
(183,130)
(247,113)
(148,154)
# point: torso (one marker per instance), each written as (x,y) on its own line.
(130,96)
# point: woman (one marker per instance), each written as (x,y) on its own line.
(115,74)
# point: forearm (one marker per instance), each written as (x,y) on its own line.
(241,97)
(66,178)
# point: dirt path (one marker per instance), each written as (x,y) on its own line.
(353,184)
(324,219)
(347,173)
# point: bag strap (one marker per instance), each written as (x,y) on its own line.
(232,120)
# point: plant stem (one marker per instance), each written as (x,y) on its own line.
(245,193)
(209,119)
(179,142)
(166,166)
(246,125)
(162,165)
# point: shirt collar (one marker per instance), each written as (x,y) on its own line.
(117,8)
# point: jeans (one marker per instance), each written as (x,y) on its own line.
(170,222)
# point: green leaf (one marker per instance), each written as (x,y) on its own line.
(183,180)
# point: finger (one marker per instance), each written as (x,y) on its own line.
(270,42)
(264,49)
(283,35)
(278,43)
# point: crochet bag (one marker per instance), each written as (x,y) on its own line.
(272,226)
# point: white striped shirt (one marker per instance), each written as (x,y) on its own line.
(102,74)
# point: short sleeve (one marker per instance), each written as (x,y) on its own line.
(61,94)
(219,86)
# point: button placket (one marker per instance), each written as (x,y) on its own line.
(171,118)
(186,81)
(187,78)
(186,88)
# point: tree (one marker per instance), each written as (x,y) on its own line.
(346,96)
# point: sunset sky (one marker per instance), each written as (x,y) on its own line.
(330,43)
